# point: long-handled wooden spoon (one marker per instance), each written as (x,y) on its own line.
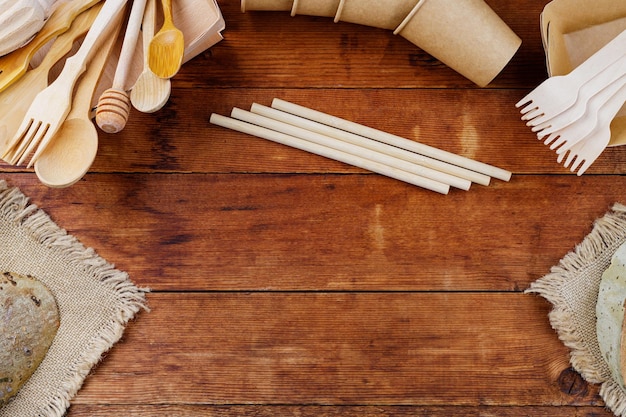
(150,92)
(114,104)
(16,99)
(74,147)
(167,48)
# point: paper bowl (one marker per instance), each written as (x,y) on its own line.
(573,30)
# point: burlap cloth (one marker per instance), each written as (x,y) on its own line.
(572,287)
(95,302)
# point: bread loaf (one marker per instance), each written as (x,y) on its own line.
(610,316)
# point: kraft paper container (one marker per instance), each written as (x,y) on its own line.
(466,35)
(573,30)
(266,5)
(387,14)
(325,8)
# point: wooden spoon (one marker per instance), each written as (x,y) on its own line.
(15,101)
(167,48)
(74,147)
(150,93)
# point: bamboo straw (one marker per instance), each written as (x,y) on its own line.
(342,146)
(390,139)
(368,143)
(327,152)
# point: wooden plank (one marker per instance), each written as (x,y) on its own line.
(483,125)
(80,410)
(425,349)
(326,232)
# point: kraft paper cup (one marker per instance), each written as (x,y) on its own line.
(466,35)
(325,8)
(387,14)
(266,5)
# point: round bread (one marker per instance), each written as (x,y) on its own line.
(29,320)
(610,315)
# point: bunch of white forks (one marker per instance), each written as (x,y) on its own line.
(572,113)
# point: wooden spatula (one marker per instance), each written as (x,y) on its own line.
(15,64)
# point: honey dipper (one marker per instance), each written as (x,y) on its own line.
(114,104)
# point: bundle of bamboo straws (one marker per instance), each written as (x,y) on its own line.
(361,146)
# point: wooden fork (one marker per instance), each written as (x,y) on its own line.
(48,110)
(15,100)
(558,93)
(609,78)
(586,151)
(579,128)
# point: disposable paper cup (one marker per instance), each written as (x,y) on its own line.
(266,5)
(466,35)
(387,14)
(325,8)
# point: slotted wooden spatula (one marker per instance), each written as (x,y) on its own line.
(15,64)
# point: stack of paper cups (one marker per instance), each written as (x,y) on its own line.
(386,14)
(466,35)
(325,8)
(266,5)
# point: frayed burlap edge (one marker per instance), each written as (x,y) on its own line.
(608,233)
(14,206)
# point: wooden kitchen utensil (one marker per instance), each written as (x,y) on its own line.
(51,106)
(114,104)
(16,99)
(167,48)
(586,94)
(74,147)
(578,128)
(584,153)
(150,92)
(15,64)
(560,92)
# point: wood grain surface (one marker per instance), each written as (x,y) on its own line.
(286,284)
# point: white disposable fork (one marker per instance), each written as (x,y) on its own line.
(558,93)
(614,74)
(586,151)
(50,107)
(567,136)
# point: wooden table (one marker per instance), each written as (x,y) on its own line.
(284,283)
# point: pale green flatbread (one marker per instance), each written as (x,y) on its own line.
(610,314)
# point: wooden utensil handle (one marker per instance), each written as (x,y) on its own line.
(63,44)
(128,46)
(76,64)
(167,9)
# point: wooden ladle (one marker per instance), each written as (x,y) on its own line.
(74,147)
(150,92)
(167,48)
